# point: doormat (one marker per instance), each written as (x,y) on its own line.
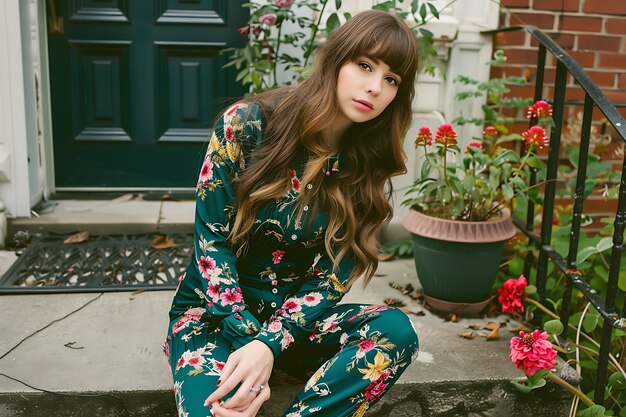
(100,264)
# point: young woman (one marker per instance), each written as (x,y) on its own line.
(290,201)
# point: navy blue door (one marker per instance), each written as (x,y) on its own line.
(135,87)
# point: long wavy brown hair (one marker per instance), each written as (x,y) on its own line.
(297,118)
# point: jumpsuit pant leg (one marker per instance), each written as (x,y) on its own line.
(196,358)
(373,346)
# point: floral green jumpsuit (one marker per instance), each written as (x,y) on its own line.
(281,292)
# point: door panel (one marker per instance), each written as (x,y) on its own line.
(135,87)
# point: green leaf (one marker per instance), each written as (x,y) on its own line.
(507,192)
(423,12)
(521,384)
(591,321)
(414,6)
(617,381)
(593,411)
(604,244)
(433,10)
(553,327)
(338,4)
(584,253)
(387,5)
(332,22)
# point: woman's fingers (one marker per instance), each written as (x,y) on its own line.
(244,396)
(254,408)
(219,411)
(226,386)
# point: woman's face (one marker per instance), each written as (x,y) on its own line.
(365,87)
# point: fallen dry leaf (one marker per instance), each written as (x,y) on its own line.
(419,313)
(393,302)
(408,288)
(473,327)
(453,318)
(395,285)
(77,238)
(467,335)
(494,335)
(492,325)
(517,329)
(163,242)
(416,295)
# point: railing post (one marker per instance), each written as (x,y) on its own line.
(560,80)
(579,198)
(611,291)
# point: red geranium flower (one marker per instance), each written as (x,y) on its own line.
(490,132)
(268,19)
(244,30)
(540,109)
(511,295)
(537,135)
(424,137)
(532,352)
(446,135)
(474,145)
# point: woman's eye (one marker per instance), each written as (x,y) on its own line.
(392,81)
(364,65)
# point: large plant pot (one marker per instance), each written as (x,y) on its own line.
(457,262)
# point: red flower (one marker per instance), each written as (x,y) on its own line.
(532,352)
(366,345)
(490,132)
(474,145)
(376,387)
(295,182)
(206,173)
(268,19)
(206,265)
(256,30)
(231,296)
(244,30)
(537,135)
(228,132)
(541,109)
(284,3)
(446,135)
(511,295)
(219,365)
(291,305)
(278,256)
(424,137)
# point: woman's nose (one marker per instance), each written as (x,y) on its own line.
(374,87)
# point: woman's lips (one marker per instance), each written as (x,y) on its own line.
(364,105)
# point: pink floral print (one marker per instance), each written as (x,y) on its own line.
(277,256)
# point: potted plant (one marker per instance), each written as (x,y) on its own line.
(460,209)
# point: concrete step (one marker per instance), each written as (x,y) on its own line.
(110,344)
(123,215)
(480,398)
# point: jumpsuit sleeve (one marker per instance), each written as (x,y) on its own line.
(234,136)
(297,317)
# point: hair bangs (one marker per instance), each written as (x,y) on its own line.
(390,44)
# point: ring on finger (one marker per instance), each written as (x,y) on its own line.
(257,389)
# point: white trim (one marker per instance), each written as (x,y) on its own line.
(46,145)
(13,112)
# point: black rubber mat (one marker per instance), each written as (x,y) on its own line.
(100,264)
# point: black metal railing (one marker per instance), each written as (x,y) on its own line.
(594,97)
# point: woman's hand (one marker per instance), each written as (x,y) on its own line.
(219,410)
(251,365)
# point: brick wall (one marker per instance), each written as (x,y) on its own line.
(593,33)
